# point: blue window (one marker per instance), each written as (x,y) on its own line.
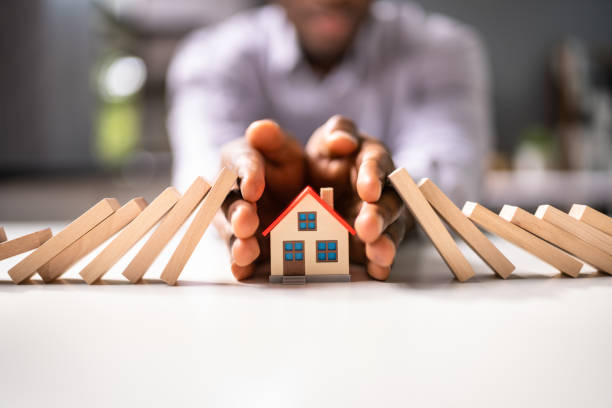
(293,251)
(311,224)
(327,251)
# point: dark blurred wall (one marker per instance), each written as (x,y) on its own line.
(520,36)
(46,101)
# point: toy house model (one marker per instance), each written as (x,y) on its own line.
(309,241)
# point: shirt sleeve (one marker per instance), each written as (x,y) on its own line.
(442,130)
(213,97)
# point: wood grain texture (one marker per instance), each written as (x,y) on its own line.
(211,203)
(453,216)
(492,222)
(56,244)
(90,241)
(2,234)
(166,230)
(129,236)
(592,217)
(585,232)
(558,237)
(431,224)
(24,243)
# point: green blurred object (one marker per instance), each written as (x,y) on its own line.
(119,131)
(536,149)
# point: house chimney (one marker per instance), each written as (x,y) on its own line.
(327,194)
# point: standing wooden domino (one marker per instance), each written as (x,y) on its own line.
(492,222)
(90,241)
(592,217)
(56,244)
(211,203)
(2,235)
(585,232)
(129,236)
(166,230)
(431,224)
(23,244)
(558,237)
(466,229)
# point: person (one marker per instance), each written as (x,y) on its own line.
(415,86)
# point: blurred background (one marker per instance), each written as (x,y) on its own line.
(83,108)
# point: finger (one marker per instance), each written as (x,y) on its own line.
(336,138)
(242,272)
(243,218)
(374,163)
(383,250)
(245,251)
(239,270)
(272,141)
(248,164)
(374,218)
(378,272)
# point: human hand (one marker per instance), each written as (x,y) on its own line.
(356,166)
(271,171)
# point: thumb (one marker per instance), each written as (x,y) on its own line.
(340,137)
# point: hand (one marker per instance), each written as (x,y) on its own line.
(270,168)
(356,166)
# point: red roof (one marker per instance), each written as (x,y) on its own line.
(308,190)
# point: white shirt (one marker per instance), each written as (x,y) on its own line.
(417,82)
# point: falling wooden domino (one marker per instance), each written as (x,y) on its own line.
(592,217)
(431,224)
(585,232)
(166,230)
(23,244)
(129,236)
(2,235)
(492,222)
(90,241)
(449,212)
(56,244)
(558,237)
(211,203)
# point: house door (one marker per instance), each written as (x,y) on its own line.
(293,258)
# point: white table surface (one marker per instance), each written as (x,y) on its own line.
(421,339)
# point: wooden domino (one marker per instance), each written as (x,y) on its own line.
(23,244)
(2,235)
(558,237)
(550,254)
(90,241)
(76,229)
(166,230)
(592,217)
(585,232)
(453,216)
(211,203)
(431,224)
(129,236)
